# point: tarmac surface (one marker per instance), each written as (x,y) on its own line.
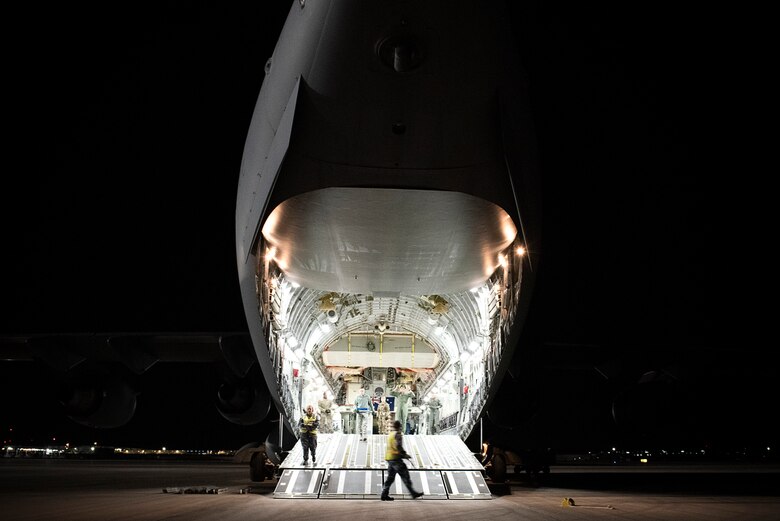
(38,489)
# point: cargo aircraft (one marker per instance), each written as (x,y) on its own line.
(387,223)
(388,213)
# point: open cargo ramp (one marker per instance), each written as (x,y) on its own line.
(441,466)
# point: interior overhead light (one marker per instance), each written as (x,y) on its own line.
(520,251)
(433,318)
(332,315)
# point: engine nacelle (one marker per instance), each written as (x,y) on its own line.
(243,402)
(99,398)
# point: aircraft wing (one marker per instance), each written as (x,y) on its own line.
(98,370)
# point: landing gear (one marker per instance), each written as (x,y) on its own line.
(499,468)
(260,468)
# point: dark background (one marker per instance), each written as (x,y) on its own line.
(127,129)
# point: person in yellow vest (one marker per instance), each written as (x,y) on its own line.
(308,426)
(395,456)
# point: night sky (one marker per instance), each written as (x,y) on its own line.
(128,125)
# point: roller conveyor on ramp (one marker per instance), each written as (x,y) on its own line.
(442,467)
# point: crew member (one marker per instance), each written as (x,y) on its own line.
(308,426)
(326,420)
(383,415)
(402,396)
(395,456)
(363,413)
(434,410)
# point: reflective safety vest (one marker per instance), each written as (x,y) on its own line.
(309,425)
(393,451)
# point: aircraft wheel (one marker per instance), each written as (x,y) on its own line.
(499,469)
(257,466)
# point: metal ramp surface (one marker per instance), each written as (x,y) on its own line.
(347,468)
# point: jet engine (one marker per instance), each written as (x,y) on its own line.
(98,396)
(243,402)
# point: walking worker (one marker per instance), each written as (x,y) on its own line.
(395,456)
(308,426)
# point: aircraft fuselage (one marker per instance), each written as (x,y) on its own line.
(388,191)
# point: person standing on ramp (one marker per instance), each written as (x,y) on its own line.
(308,426)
